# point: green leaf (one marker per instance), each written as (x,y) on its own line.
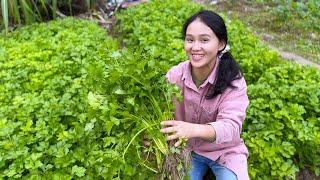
(119,91)
(79,171)
(5,8)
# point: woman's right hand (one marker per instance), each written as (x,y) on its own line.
(182,130)
(178,130)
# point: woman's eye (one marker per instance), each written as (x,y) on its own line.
(205,40)
(189,40)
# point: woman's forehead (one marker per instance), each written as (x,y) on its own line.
(199,28)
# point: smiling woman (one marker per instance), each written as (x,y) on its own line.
(215,101)
(202,47)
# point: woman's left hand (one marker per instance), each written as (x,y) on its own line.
(178,130)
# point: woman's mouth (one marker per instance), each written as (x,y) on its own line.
(197,57)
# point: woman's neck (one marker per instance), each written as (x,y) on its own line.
(199,75)
(198,78)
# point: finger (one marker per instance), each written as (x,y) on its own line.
(177,144)
(172,137)
(168,123)
(168,130)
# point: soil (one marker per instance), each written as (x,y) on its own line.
(290,56)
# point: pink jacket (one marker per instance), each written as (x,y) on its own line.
(225,112)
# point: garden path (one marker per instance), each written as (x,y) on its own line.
(290,56)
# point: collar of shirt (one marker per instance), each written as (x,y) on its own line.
(187,77)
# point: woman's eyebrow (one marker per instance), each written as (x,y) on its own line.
(199,35)
(204,34)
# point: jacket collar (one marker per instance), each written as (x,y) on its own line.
(187,77)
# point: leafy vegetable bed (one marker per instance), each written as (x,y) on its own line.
(75,105)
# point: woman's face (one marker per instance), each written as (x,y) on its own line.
(201,45)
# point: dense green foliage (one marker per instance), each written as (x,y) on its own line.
(289,25)
(254,56)
(72,104)
(300,14)
(299,24)
(14,12)
(283,124)
(269,158)
(161,33)
(45,130)
(132,93)
(157,27)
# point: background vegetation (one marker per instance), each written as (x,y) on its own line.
(73,104)
(15,13)
(287,24)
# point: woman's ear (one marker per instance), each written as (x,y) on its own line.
(222,45)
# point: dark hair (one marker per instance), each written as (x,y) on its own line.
(228,68)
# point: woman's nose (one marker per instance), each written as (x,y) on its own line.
(196,46)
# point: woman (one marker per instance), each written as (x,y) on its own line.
(215,101)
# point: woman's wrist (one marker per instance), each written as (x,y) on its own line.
(205,132)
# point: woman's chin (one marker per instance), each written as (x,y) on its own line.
(196,64)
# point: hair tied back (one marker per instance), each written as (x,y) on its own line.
(225,50)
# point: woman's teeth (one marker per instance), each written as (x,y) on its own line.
(197,56)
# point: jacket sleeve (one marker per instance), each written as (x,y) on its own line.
(231,113)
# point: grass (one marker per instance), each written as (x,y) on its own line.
(15,13)
(286,31)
